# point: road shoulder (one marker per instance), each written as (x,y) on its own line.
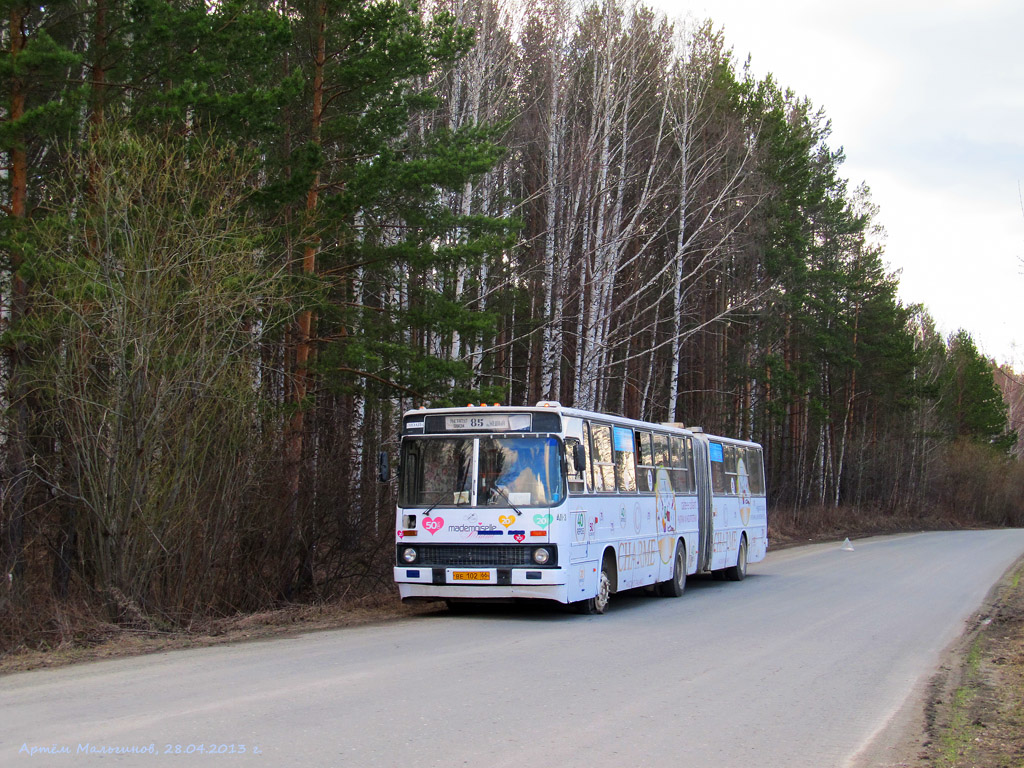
(971,712)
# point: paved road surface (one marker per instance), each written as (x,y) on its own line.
(802,664)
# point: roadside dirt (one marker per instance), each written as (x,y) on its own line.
(974,709)
(107,641)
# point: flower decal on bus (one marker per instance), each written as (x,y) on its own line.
(665,502)
(744,493)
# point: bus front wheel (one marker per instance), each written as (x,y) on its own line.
(599,602)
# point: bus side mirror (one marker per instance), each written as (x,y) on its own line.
(383,467)
(579,457)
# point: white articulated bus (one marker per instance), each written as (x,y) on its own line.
(499,502)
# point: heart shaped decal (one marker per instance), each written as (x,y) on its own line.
(543,521)
(507,520)
(433,524)
(401,534)
(520,537)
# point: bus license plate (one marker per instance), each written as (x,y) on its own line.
(471,575)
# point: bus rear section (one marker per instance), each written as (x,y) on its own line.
(734,509)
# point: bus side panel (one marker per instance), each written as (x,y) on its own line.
(676,517)
(688,515)
(725,544)
(575,539)
(757,533)
(641,530)
(733,517)
(629,526)
(581,580)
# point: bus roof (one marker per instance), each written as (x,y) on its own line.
(579,413)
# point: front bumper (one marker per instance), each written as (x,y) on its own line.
(502,583)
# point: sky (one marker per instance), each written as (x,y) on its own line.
(926,97)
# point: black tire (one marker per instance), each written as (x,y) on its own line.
(738,572)
(675,586)
(599,603)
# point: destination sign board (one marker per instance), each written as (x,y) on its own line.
(475,423)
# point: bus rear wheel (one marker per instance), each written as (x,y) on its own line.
(675,586)
(738,572)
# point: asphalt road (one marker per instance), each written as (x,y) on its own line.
(802,664)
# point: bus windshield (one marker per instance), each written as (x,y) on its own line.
(509,472)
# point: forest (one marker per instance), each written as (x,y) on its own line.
(239,239)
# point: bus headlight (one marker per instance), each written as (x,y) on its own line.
(409,554)
(541,555)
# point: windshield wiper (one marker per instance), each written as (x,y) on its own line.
(437,503)
(501,490)
(434,506)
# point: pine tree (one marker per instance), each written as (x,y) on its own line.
(358,185)
(38,100)
(972,403)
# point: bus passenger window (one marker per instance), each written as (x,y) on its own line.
(661,451)
(643,449)
(683,480)
(731,479)
(588,474)
(604,463)
(625,466)
(678,473)
(645,473)
(691,469)
(717,456)
(742,474)
(755,470)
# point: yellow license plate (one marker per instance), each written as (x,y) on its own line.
(471,576)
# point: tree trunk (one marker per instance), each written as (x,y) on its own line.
(14,507)
(304,325)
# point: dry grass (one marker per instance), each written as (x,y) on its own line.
(88,638)
(975,711)
(787,527)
